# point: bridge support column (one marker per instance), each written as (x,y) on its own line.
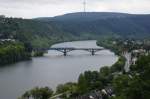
(93,52)
(65,52)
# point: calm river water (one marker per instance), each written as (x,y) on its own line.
(52,69)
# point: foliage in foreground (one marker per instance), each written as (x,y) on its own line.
(38,93)
(135,85)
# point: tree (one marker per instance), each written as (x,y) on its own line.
(119,65)
(89,81)
(82,84)
(67,89)
(38,93)
(105,71)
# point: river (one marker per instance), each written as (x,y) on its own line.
(52,69)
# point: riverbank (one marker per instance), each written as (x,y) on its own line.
(110,82)
(90,80)
(103,79)
(52,69)
(117,46)
(11,56)
(12,51)
(85,82)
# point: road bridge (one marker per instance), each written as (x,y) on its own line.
(65,50)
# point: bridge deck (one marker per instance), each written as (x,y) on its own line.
(61,48)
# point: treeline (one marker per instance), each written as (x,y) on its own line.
(38,93)
(98,80)
(111,43)
(11,52)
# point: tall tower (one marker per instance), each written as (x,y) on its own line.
(84,6)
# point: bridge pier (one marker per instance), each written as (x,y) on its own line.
(65,52)
(93,52)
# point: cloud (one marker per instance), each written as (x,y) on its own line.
(41,8)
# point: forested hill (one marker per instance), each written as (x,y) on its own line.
(88,16)
(98,24)
(90,25)
(42,32)
(33,32)
(19,36)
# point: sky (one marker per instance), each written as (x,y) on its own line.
(50,8)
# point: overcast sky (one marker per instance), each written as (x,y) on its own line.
(49,8)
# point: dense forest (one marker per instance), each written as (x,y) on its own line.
(136,84)
(36,33)
(11,52)
(101,24)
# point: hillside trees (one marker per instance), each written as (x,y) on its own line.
(11,52)
(136,85)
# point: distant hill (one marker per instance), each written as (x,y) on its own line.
(88,16)
(96,24)
(42,32)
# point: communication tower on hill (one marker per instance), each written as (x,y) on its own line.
(84,6)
